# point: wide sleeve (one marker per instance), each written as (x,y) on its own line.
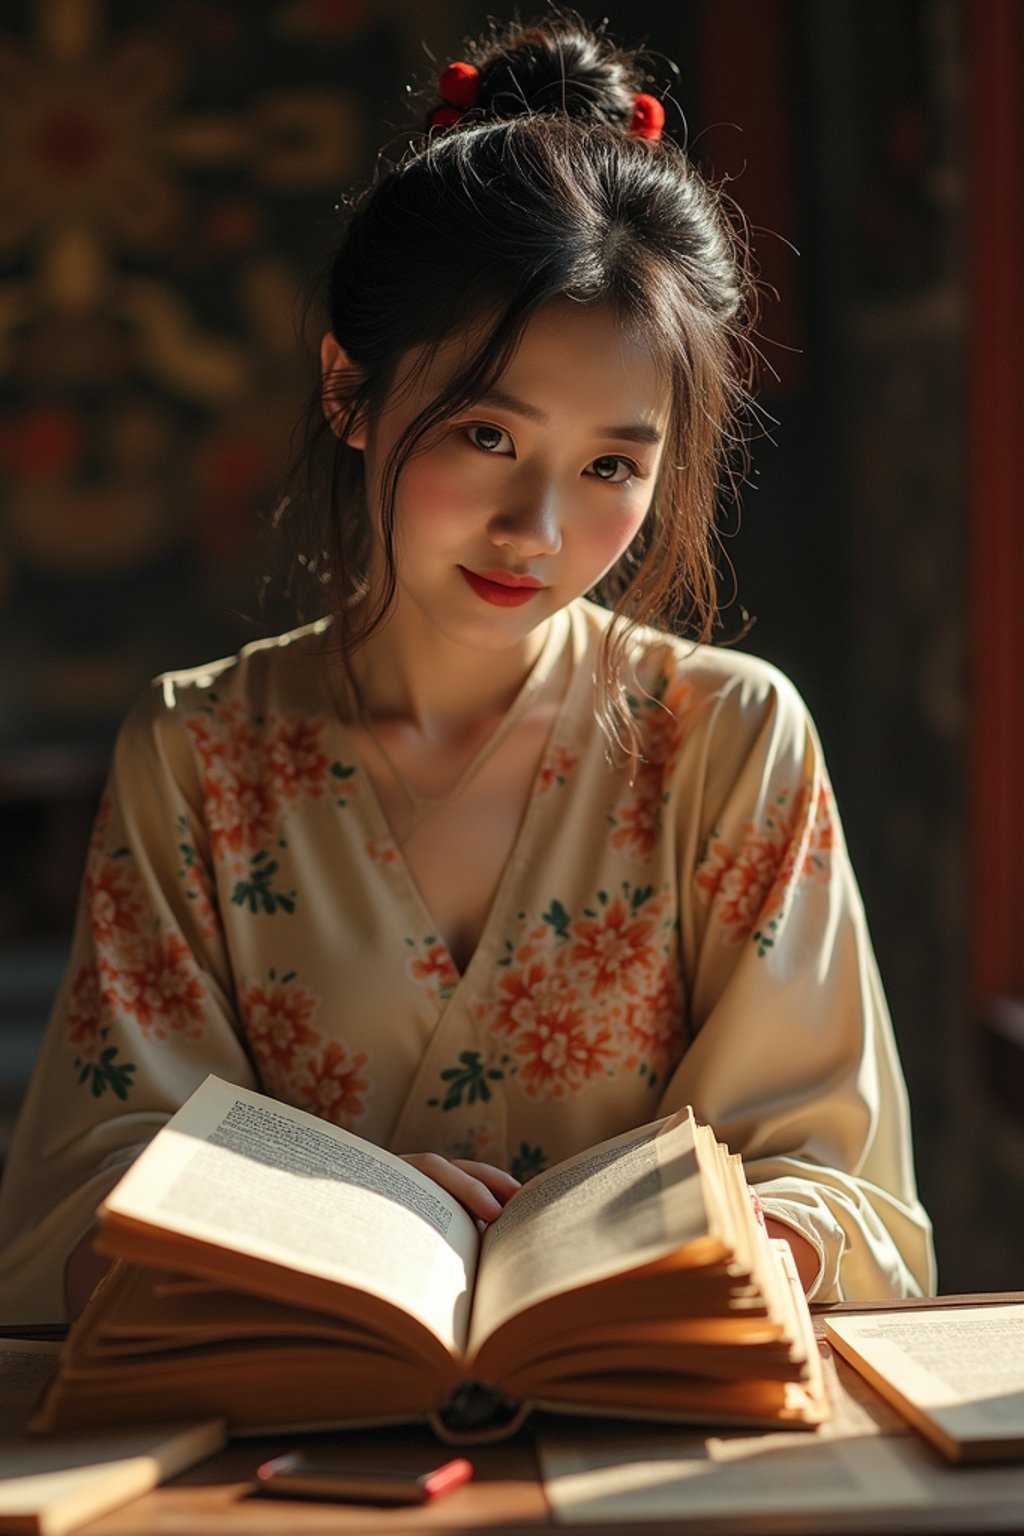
(146,1010)
(793,1059)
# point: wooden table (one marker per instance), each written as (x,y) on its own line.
(507,1495)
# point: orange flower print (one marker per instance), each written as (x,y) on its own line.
(252,769)
(560,1053)
(615,948)
(823,830)
(138,977)
(745,884)
(83,1014)
(114,903)
(96,1063)
(526,993)
(576,994)
(434,966)
(162,990)
(637,825)
(382,850)
(276,1019)
(556,768)
(750,887)
(334,1085)
(556,1040)
(807,857)
(653,1028)
(662,718)
(239,812)
(298,764)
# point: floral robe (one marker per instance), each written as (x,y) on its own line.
(690,933)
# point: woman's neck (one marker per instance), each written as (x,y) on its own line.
(408,672)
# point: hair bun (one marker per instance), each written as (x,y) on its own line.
(557,65)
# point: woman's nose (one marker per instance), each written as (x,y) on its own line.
(531,524)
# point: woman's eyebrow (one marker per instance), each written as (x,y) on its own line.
(633,432)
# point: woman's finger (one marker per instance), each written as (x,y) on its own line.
(471,1193)
(501,1184)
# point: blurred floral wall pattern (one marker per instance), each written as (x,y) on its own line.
(167,174)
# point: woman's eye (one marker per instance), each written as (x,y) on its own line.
(489,439)
(613,469)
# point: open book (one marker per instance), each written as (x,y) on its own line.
(955,1372)
(281,1272)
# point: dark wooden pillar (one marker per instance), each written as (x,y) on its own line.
(997,501)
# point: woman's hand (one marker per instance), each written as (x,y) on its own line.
(804,1256)
(481,1188)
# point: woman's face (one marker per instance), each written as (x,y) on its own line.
(525,498)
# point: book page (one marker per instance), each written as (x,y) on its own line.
(256,1176)
(961,1366)
(627,1202)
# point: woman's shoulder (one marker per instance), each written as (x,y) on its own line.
(284,675)
(285,671)
(287,667)
(686,675)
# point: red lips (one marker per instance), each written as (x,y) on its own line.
(504,589)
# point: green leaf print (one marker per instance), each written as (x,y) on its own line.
(187,849)
(256,892)
(526,1162)
(468,1083)
(765,940)
(343,772)
(106,1073)
(557,918)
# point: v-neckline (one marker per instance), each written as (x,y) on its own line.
(555,648)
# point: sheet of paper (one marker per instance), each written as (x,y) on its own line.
(963,1366)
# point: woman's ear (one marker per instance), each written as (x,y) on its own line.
(339,376)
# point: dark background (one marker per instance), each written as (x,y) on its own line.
(167,176)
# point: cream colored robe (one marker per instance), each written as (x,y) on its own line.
(693,937)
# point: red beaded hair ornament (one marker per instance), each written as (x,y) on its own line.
(648,118)
(459,88)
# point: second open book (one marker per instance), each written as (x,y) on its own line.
(279,1271)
